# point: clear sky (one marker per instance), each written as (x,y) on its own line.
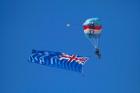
(41,24)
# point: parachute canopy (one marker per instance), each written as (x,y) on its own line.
(92,28)
(58,60)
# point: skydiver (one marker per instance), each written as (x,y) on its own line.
(98,53)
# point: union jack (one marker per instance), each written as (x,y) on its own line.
(71,58)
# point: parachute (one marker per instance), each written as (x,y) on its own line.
(58,60)
(92,28)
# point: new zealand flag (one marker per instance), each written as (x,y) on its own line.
(58,59)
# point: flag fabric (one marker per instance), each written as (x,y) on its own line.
(58,60)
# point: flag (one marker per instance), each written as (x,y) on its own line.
(58,60)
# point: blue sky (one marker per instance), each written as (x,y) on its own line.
(41,24)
